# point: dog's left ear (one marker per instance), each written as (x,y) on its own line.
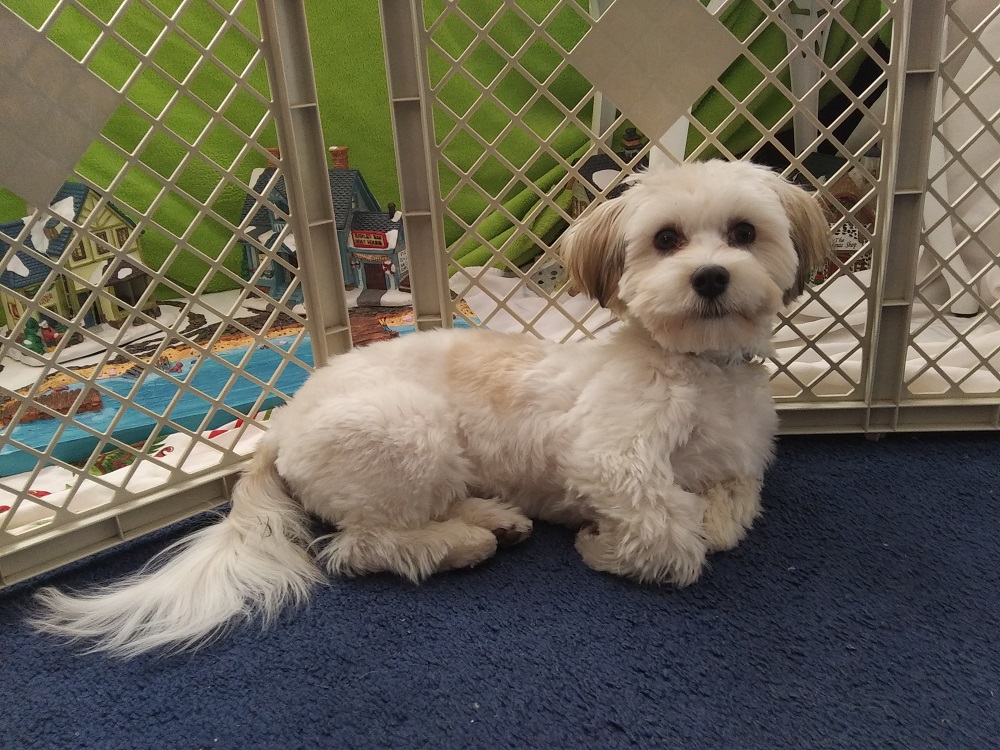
(593,252)
(810,231)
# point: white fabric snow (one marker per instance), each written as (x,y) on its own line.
(16,265)
(551,323)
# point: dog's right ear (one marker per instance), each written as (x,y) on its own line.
(593,252)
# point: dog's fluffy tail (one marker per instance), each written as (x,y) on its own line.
(251,563)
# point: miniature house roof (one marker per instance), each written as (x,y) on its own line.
(24,269)
(125,270)
(344,184)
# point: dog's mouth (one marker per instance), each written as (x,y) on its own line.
(717,310)
(711,310)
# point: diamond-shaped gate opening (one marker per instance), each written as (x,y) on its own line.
(462,151)
(199,181)
(114,63)
(514,91)
(163,154)
(568,26)
(459,95)
(211,84)
(126,129)
(518,147)
(924,377)
(187,120)
(543,118)
(222,145)
(137,190)
(151,91)
(541,60)
(448,179)
(438,66)
(570,88)
(480,12)
(510,31)
(453,36)
(468,205)
(202,22)
(101,164)
(73,32)
(484,64)
(488,121)
(235,50)
(246,112)
(176,57)
(139,26)
(444,125)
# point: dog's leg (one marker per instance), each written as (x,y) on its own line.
(413,553)
(662,544)
(731,509)
(507,523)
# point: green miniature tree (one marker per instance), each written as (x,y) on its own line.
(32,337)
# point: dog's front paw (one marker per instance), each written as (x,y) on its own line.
(730,510)
(676,557)
(508,524)
(722,531)
(517,531)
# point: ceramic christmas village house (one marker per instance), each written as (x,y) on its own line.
(85,256)
(372,247)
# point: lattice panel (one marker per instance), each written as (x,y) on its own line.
(955,329)
(153,310)
(523,140)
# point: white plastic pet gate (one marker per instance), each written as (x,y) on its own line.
(503,133)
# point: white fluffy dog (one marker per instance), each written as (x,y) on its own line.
(654,441)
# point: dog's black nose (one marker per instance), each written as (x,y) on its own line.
(710,281)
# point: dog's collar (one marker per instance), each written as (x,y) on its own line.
(730,358)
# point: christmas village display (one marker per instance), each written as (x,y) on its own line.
(51,282)
(372,248)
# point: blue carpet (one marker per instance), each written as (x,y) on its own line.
(863,612)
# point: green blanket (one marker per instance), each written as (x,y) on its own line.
(350,72)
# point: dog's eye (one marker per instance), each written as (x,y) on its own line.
(667,240)
(742,233)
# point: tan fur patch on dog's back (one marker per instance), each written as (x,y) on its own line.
(491,367)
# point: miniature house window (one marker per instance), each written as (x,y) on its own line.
(101,249)
(122,233)
(79,253)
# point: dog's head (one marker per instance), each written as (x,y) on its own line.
(702,255)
